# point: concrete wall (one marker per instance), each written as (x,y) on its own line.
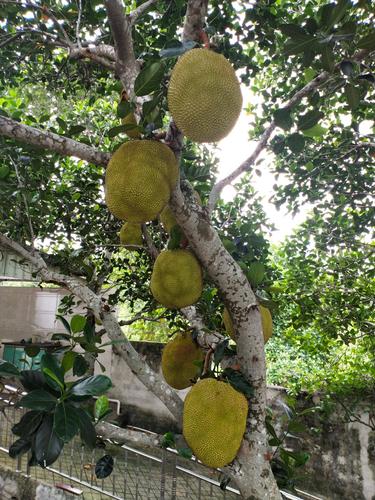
(15,486)
(342,464)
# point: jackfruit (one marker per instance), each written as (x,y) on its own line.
(265,317)
(130,119)
(131,234)
(214,421)
(168,219)
(176,279)
(204,95)
(139,179)
(177,361)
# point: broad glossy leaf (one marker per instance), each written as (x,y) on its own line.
(8,369)
(32,379)
(337,13)
(77,323)
(328,61)
(68,360)
(293,47)
(104,467)
(315,131)
(293,30)
(150,78)
(65,421)
(123,109)
(283,119)
(87,429)
(309,119)
(101,407)
(178,50)
(38,400)
(4,171)
(48,445)
(95,385)
(19,447)
(296,142)
(28,424)
(52,371)
(80,365)
(64,322)
(255,273)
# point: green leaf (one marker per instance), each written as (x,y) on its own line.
(178,50)
(352,95)
(119,129)
(77,323)
(64,322)
(309,119)
(32,379)
(328,61)
(295,426)
(296,142)
(68,361)
(4,171)
(293,30)
(101,407)
(75,129)
(149,79)
(32,350)
(168,440)
(367,42)
(104,467)
(309,74)
(65,422)
(61,336)
(95,385)
(315,131)
(8,369)
(19,447)
(38,400)
(282,118)
(87,429)
(238,381)
(256,273)
(176,235)
(48,445)
(185,452)
(28,424)
(292,47)
(347,68)
(124,108)
(337,13)
(80,365)
(53,372)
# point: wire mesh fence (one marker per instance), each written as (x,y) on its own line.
(136,475)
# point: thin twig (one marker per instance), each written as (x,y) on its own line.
(78,39)
(140,10)
(263,141)
(22,186)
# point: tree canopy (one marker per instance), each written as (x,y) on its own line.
(72,72)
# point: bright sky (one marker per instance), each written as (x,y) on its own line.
(233,150)
(236,147)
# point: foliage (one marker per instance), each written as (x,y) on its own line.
(57,409)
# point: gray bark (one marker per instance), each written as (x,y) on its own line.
(52,142)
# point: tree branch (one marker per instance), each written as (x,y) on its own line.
(93,54)
(52,142)
(263,141)
(46,11)
(143,372)
(133,17)
(127,67)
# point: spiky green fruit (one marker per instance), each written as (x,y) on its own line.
(176,279)
(204,95)
(214,421)
(139,180)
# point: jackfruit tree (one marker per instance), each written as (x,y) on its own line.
(109,112)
